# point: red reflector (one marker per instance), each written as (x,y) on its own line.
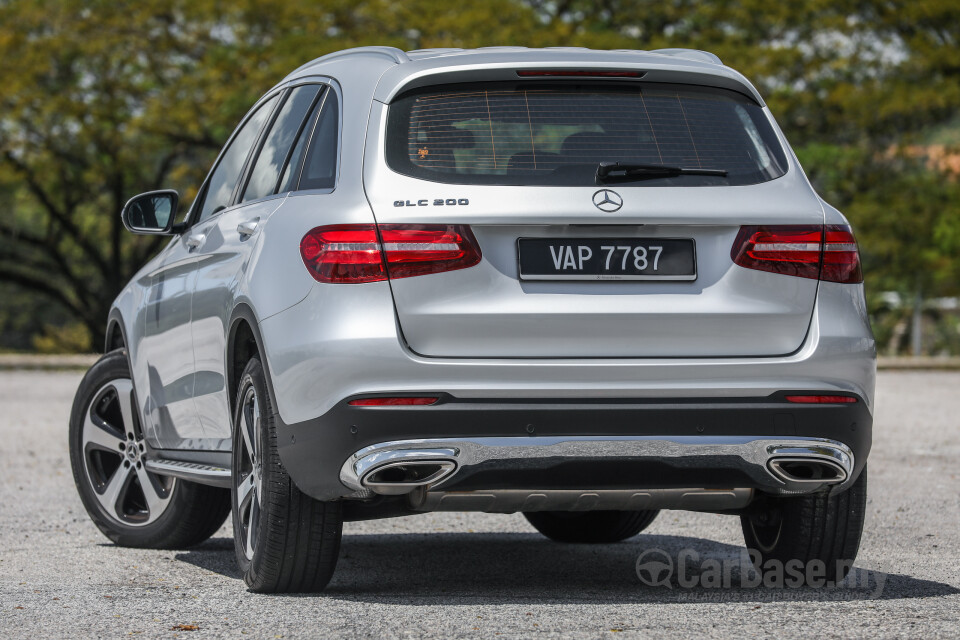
(391,402)
(350,254)
(821,399)
(582,74)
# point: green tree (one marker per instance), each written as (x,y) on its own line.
(101,100)
(832,70)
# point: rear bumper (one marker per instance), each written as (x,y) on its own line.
(580,444)
(342,342)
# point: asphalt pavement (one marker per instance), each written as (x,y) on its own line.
(484,575)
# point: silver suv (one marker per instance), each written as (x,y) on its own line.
(580,285)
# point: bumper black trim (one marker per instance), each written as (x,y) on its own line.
(314,451)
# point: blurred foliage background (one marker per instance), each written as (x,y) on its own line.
(101,100)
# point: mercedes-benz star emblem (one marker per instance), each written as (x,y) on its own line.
(607,200)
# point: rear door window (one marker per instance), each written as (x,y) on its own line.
(224,179)
(557,134)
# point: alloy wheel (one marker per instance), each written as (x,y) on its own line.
(249,475)
(114,456)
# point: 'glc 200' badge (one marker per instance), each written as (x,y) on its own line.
(437,202)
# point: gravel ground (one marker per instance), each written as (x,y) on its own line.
(480,575)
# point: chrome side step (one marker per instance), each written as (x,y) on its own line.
(191,471)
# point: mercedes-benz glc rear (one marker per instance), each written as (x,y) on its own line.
(611,290)
(579,285)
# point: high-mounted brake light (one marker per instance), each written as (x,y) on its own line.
(351,254)
(811,251)
(559,73)
(822,399)
(392,402)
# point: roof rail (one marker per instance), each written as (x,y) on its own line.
(690,54)
(394,54)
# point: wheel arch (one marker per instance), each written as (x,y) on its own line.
(243,342)
(116,336)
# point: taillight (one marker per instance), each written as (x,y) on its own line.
(350,254)
(793,251)
(812,251)
(841,260)
(347,253)
(419,249)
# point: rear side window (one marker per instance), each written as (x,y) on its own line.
(291,173)
(276,146)
(320,165)
(537,134)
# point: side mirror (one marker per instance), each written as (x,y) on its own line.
(151,213)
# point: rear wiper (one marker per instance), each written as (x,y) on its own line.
(632,171)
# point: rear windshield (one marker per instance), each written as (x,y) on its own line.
(536,134)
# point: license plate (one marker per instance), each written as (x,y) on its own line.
(607,259)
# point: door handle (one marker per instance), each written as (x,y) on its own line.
(248,228)
(195,240)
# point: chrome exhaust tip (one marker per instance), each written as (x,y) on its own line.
(809,467)
(398,478)
(807,471)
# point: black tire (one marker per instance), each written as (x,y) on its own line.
(591,527)
(182,513)
(285,541)
(809,528)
